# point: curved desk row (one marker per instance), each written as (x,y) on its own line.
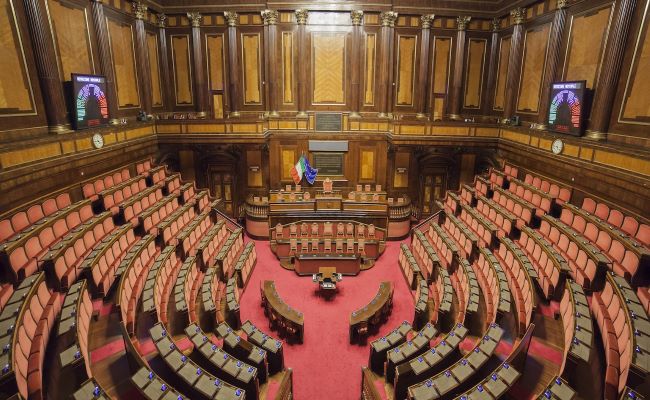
(287,319)
(373,314)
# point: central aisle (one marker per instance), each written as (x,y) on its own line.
(326,366)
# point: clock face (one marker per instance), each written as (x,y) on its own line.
(557,147)
(98,141)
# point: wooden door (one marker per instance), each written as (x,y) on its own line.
(433,186)
(222,185)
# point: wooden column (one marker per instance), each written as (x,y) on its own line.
(456,95)
(165,77)
(46,65)
(271,86)
(423,70)
(303,72)
(105,60)
(493,66)
(142,55)
(198,67)
(233,63)
(601,109)
(514,62)
(355,61)
(553,59)
(385,87)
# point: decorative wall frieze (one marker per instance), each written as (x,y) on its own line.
(427,21)
(496,24)
(270,17)
(139,10)
(388,18)
(519,15)
(356,16)
(195,19)
(463,21)
(232,18)
(301,16)
(162,20)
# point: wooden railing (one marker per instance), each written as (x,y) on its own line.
(368,389)
(432,218)
(285,392)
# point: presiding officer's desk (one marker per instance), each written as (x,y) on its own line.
(287,318)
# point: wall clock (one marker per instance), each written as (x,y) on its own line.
(557,146)
(98,141)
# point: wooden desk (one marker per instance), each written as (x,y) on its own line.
(372,314)
(327,277)
(308,264)
(288,319)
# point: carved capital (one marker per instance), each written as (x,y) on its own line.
(231,18)
(462,22)
(496,24)
(195,19)
(427,21)
(270,17)
(301,16)
(162,20)
(139,9)
(356,16)
(519,15)
(388,18)
(562,4)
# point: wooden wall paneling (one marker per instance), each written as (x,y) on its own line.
(46,63)
(186,164)
(492,69)
(142,56)
(105,58)
(198,68)
(356,56)
(180,50)
(123,55)
(401,169)
(406,59)
(475,72)
(631,117)
(370,65)
(456,90)
(587,36)
(155,81)
(329,65)
(367,164)
(251,68)
(603,102)
(168,90)
(215,45)
(71,29)
(441,65)
(514,62)
(467,163)
(288,62)
(288,158)
(532,68)
(254,168)
(552,62)
(502,73)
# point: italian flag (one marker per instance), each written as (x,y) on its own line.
(298,170)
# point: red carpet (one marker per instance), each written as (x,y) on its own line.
(326,366)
